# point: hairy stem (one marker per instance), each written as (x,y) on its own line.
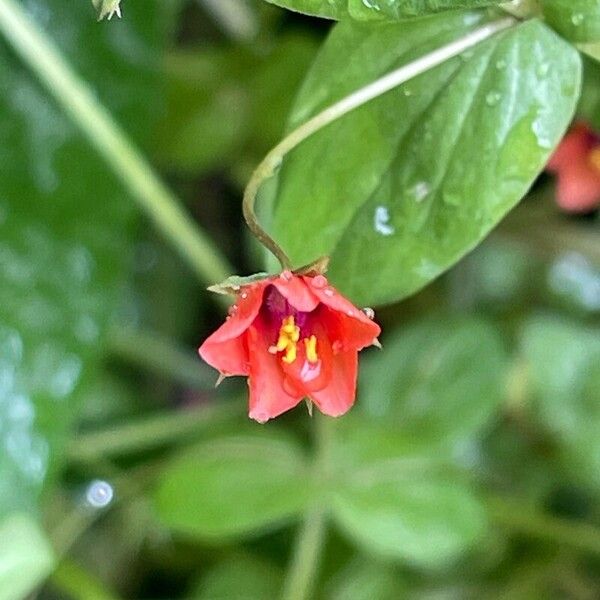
(76,99)
(365,94)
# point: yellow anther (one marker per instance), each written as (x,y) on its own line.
(594,159)
(289,334)
(310,345)
(290,354)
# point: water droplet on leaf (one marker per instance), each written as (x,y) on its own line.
(492,98)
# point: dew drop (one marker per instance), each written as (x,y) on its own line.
(577,19)
(99,494)
(501,64)
(381,221)
(350,312)
(420,191)
(369,312)
(319,282)
(244,295)
(407,92)
(329,292)
(336,346)
(286,276)
(232,309)
(492,98)
(543,69)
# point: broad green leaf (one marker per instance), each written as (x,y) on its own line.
(577,20)
(397,10)
(398,500)
(243,578)
(64,223)
(428,169)
(564,361)
(26,557)
(234,486)
(426,381)
(377,9)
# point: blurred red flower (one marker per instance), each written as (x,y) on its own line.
(576,163)
(294,337)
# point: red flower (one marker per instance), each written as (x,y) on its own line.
(576,163)
(294,337)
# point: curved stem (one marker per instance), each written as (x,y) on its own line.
(77,100)
(273,159)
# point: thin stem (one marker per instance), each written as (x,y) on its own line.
(152,432)
(159,355)
(365,94)
(309,543)
(40,53)
(307,553)
(514,516)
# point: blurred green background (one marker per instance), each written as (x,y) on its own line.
(470,466)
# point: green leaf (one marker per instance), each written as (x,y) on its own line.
(234,486)
(397,10)
(425,381)
(564,361)
(64,225)
(377,9)
(428,169)
(26,557)
(396,499)
(577,20)
(243,578)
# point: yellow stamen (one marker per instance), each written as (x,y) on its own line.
(289,334)
(594,159)
(310,345)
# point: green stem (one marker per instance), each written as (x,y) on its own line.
(274,158)
(152,432)
(308,548)
(515,517)
(159,355)
(307,553)
(76,99)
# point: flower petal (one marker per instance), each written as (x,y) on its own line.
(338,396)
(295,291)
(578,188)
(225,349)
(355,329)
(268,397)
